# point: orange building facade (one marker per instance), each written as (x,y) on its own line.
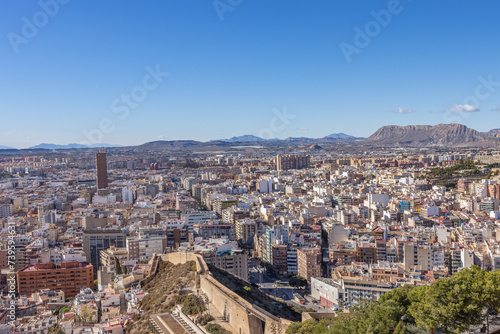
(70,277)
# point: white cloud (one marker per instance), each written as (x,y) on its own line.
(496,109)
(403,111)
(464,108)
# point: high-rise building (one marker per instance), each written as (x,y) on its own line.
(94,241)
(366,253)
(415,255)
(235,262)
(102,169)
(142,247)
(279,259)
(309,262)
(494,190)
(177,235)
(245,229)
(21,255)
(291,161)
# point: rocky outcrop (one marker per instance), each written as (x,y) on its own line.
(425,135)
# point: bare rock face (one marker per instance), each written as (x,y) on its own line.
(425,135)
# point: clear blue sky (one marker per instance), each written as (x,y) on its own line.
(229,77)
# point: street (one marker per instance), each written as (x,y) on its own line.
(267,284)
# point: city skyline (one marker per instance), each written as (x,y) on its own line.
(143,72)
(249,166)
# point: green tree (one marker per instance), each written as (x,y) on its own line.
(118,267)
(298,281)
(450,305)
(400,328)
(491,293)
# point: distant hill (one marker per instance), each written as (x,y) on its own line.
(69,146)
(252,138)
(425,135)
(314,147)
(339,136)
(243,139)
(6,148)
(235,143)
(163,144)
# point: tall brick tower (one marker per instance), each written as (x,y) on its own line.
(102,169)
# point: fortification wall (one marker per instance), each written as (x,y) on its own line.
(182,257)
(227,304)
(244,317)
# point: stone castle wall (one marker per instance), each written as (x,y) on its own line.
(244,317)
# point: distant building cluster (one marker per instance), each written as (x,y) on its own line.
(79,231)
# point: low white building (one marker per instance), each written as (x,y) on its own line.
(345,292)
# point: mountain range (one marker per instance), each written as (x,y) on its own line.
(252,138)
(427,135)
(441,135)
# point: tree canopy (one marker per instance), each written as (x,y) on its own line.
(449,305)
(298,281)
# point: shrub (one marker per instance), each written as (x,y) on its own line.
(191,304)
(216,329)
(204,319)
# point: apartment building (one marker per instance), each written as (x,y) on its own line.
(108,256)
(5,210)
(292,161)
(245,229)
(415,255)
(223,202)
(215,229)
(279,259)
(197,217)
(70,277)
(234,262)
(94,241)
(177,235)
(143,246)
(185,204)
(309,262)
(366,253)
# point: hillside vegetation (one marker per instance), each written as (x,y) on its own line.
(163,293)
